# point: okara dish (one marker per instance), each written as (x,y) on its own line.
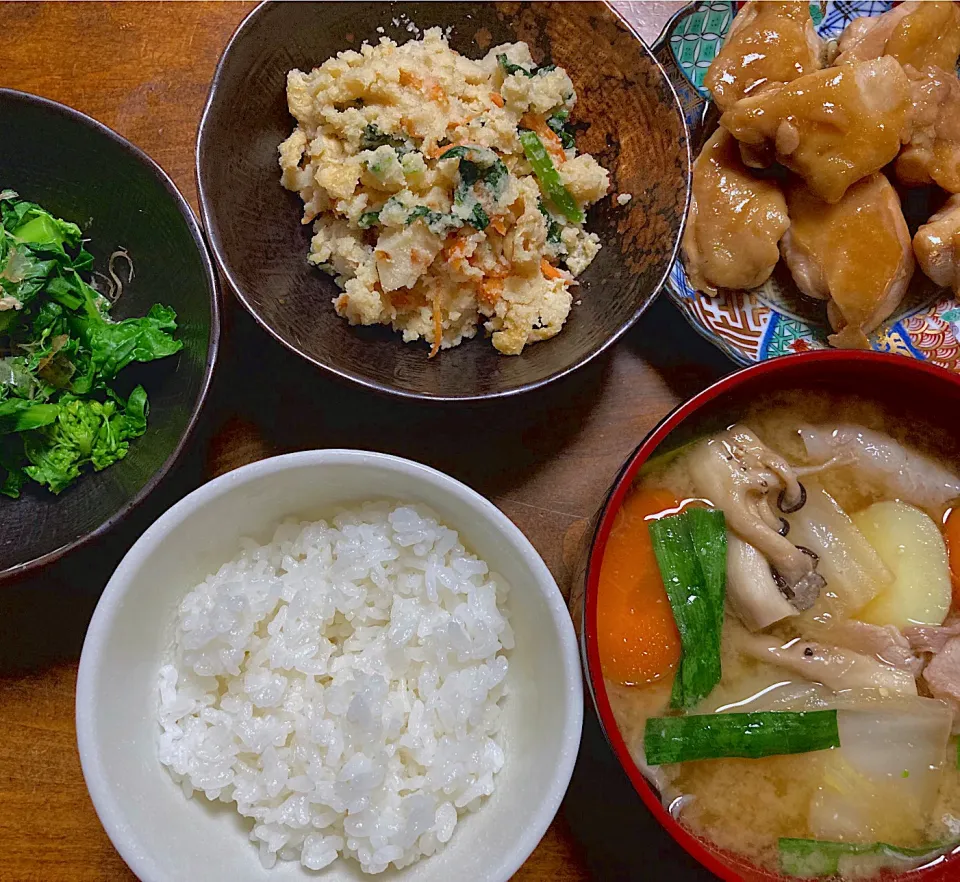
(445,193)
(778,630)
(341,686)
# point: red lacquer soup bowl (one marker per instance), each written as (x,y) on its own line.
(909,386)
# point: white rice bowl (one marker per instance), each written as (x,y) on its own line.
(164,837)
(341,686)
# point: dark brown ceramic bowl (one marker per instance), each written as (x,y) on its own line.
(80,170)
(627,115)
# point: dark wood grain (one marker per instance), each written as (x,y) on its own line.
(546,460)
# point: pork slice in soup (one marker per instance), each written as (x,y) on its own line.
(779,621)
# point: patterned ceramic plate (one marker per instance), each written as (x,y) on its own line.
(776,319)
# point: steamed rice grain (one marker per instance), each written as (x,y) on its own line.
(342,685)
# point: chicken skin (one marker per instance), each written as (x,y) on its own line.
(856,253)
(769,42)
(937,245)
(915,33)
(735,221)
(832,127)
(932,155)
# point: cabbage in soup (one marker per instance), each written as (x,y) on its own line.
(779,631)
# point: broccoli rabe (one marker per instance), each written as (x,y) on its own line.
(60,352)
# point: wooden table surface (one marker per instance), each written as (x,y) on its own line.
(545,460)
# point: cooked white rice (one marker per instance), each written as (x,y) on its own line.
(342,685)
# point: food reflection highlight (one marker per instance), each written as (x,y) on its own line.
(778,619)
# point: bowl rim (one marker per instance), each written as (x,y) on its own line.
(383,388)
(700,849)
(95,772)
(213,291)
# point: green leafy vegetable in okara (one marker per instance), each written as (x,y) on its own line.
(691,551)
(436,222)
(478,166)
(812,858)
(511,68)
(549,177)
(554,229)
(754,735)
(368,219)
(372,138)
(60,352)
(558,124)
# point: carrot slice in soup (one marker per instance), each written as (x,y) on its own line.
(637,635)
(951,534)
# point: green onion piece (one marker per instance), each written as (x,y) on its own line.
(549,177)
(694,609)
(812,858)
(368,219)
(708,532)
(754,735)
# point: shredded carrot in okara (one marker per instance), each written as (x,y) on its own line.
(438,150)
(410,79)
(549,270)
(496,98)
(457,249)
(497,224)
(437,326)
(490,290)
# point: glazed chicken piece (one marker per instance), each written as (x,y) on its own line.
(769,42)
(932,154)
(735,221)
(915,33)
(832,127)
(937,245)
(856,254)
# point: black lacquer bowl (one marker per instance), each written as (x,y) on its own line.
(627,115)
(80,170)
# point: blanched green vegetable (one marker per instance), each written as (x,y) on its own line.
(549,177)
(510,68)
(59,353)
(558,123)
(812,859)
(754,735)
(478,166)
(691,551)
